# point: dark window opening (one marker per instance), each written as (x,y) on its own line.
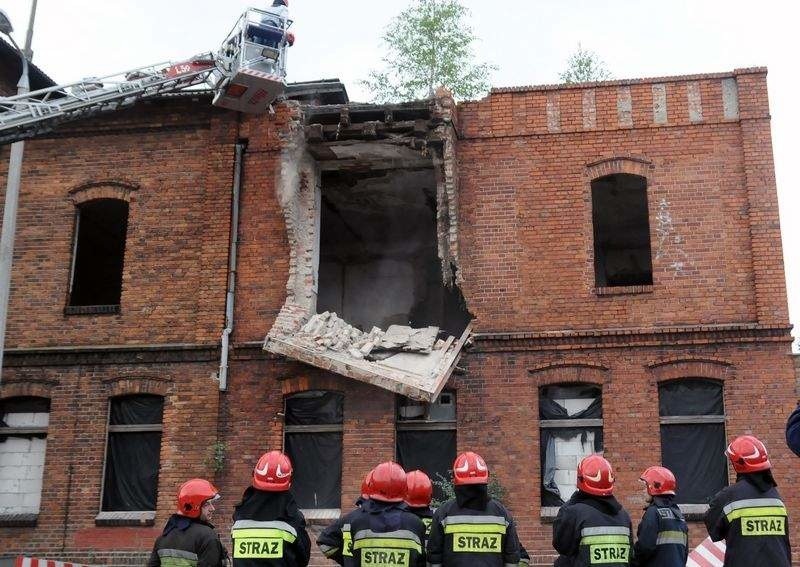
(133,453)
(571,428)
(693,437)
(101,228)
(621,231)
(426,438)
(313,442)
(379,263)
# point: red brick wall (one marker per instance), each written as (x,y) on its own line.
(176,168)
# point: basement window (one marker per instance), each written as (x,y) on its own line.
(693,437)
(571,428)
(133,453)
(426,438)
(313,442)
(23,443)
(96,280)
(622,255)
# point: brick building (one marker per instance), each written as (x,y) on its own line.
(589,267)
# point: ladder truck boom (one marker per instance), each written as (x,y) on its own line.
(247,74)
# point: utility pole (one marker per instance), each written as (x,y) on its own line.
(12,187)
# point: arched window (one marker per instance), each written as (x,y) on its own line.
(313,441)
(693,437)
(621,231)
(133,453)
(571,427)
(101,228)
(23,442)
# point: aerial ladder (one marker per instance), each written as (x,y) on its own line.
(247,73)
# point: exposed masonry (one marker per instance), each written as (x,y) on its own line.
(695,102)
(625,107)
(357,145)
(660,104)
(589,110)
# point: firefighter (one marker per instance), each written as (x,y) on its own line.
(750,515)
(336,541)
(662,536)
(793,431)
(189,538)
(384,531)
(419,492)
(276,16)
(268,527)
(472,529)
(592,527)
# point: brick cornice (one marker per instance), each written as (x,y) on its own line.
(115,354)
(630,338)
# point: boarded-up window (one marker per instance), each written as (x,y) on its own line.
(693,437)
(101,230)
(133,453)
(621,231)
(571,427)
(426,437)
(23,442)
(314,444)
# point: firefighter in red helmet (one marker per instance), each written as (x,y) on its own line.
(592,527)
(662,538)
(419,493)
(268,527)
(472,529)
(336,541)
(384,531)
(189,538)
(750,515)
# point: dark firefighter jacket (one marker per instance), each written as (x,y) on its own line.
(751,517)
(592,530)
(269,529)
(473,530)
(187,542)
(387,534)
(662,539)
(336,541)
(793,431)
(425,514)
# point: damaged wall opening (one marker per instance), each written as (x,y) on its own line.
(378,252)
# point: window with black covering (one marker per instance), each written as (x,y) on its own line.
(571,428)
(101,228)
(426,437)
(313,441)
(133,453)
(621,231)
(693,437)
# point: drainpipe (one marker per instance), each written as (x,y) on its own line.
(222,375)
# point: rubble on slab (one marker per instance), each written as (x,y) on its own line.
(328,332)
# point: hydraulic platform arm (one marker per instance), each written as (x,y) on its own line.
(39,112)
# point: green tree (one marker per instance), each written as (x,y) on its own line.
(584,66)
(428,45)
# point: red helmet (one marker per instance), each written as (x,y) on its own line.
(748,454)
(595,476)
(659,480)
(470,468)
(420,489)
(273,472)
(193,494)
(387,483)
(365,485)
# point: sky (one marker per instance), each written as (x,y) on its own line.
(529,41)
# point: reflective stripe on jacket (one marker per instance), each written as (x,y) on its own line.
(663,536)
(753,523)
